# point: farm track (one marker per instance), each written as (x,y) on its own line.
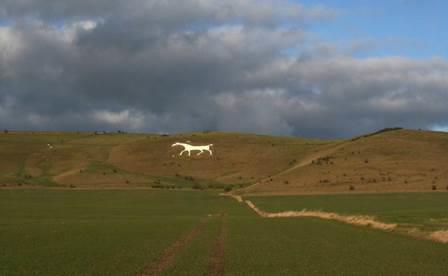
(167,257)
(440,236)
(216,265)
(354,220)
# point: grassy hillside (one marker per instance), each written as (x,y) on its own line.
(131,160)
(396,160)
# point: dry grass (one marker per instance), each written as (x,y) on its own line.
(395,161)
(358,220)
(355,220)
(401,160)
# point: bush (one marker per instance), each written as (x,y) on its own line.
(286,182)
(228,188)
(157,186)
(197,186)
(6,131)
(434,187)
(352,188)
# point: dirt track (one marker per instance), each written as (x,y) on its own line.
(438,236)
(167,257)
(355,220)
(216,265)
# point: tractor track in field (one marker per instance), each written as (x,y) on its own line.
(167,257)
(440,236)
(216,263)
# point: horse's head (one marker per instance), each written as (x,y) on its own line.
(175,144)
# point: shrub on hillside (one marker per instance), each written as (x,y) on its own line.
(197,186)
(434,187)
(6,131)
(352,188)
(228,188)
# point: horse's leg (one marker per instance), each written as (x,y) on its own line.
(189,153)
(180,154)
(199,153)
(211,153)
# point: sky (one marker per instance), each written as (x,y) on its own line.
(322,69)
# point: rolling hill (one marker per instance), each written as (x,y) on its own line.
(394,160)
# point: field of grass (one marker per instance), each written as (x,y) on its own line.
(122,232)
(427,211)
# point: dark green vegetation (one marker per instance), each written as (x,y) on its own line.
(122,232)
(426,211)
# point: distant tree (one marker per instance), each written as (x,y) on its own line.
(6,131)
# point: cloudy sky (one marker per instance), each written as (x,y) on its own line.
(327,69)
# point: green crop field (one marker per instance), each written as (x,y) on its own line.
(427,211)
(125,232)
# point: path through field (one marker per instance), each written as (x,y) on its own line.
(167,257)
(216,265)
(357,220)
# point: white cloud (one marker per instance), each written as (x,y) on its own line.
(130,120)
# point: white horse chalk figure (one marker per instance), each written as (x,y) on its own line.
(189,148)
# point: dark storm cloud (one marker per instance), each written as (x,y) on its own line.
(188,65)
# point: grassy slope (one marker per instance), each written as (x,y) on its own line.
(401,160)
(57,232)
(131,160)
